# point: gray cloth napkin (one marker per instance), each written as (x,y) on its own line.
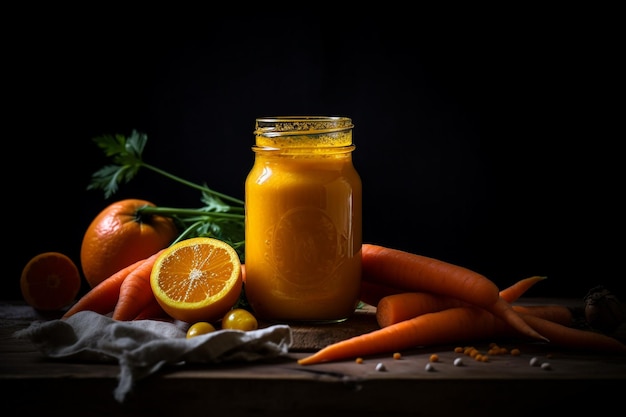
(142,347)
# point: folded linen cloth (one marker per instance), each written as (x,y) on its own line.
(142,347)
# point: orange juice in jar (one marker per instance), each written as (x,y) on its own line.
(303,221)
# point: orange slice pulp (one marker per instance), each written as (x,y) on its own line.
(197,279)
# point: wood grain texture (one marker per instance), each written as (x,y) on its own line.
(280,387)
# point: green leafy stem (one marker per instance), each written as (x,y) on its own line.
(221,217)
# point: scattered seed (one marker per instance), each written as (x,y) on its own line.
(434,357)
(397,355)
(546,366)
(359,360)
(380,367)
(429,367)
(458,362)
(472,352)
(534,361)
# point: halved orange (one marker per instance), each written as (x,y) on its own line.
(197,279)
(50,281)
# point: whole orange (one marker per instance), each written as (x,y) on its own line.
(120,236)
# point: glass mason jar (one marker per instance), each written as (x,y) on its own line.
(303,221)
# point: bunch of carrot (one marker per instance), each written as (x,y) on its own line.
(420,301)
(423,302)
(126,294)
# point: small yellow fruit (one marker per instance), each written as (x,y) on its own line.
(199,328)
(239,319)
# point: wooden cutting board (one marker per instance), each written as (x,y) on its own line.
(314,337)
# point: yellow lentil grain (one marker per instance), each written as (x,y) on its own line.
(434,357)
(397,355)
(359,360)
(458,349)
(516,352)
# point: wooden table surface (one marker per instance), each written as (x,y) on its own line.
(506,385)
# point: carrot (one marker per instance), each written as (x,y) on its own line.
(399,307)
(372,293)
(554,313)
(103,297)
(152,311)
(573,338)
(519,288)
(135,292)
(415,273)
(445,326)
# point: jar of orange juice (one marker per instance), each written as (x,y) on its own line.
(303,221)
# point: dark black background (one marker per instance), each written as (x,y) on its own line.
(481,137)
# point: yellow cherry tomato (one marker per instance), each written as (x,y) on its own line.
(240,319)
(201,327)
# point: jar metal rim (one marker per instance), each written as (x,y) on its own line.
(297,125)
(305,150)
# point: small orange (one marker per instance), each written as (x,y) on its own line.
(197,279)
(120,236)
(50,281)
